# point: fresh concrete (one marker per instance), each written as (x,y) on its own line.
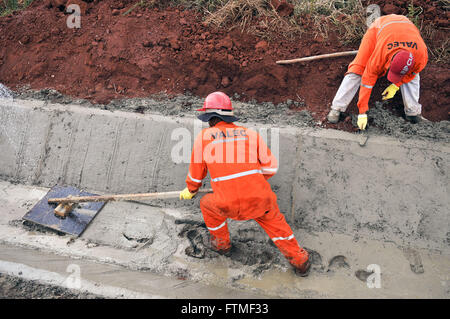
(390,189)
(161,269)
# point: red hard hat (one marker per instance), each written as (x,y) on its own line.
(217,101)
(217,104)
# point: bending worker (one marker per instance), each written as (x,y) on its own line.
(392,43)
(239,163)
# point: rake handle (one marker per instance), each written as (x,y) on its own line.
(108,198)
(317,57)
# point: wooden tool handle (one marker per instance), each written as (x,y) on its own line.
(107,198)
(317,57)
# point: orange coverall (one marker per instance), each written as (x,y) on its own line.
(385,37)
(239,163)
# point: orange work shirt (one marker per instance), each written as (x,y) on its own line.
(239,163)
(385,37)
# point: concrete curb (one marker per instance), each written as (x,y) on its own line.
(389,190)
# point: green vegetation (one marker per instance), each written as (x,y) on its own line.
(414,14)
(9,6)
(347,16)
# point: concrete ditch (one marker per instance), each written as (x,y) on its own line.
(390,196)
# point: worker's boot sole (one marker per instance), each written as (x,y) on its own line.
(333,116)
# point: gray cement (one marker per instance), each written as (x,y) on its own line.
(382,121)
(155,260)
(5,92)
(391,189)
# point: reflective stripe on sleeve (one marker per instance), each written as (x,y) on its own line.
(218,227)
(194,179)
(229,140)
(367,86)
(283,238)
(228,177)
(271,170)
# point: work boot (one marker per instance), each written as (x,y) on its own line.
(414,119)
(303,270)
(333,116)
(224,252)
(219,246)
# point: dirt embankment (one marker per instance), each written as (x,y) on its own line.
(147,51)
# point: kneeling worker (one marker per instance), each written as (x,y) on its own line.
(392,43)
(239,163)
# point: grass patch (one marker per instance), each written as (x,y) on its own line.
(241,13)
(9,6)
(346,16)
(414,14)
(440,52)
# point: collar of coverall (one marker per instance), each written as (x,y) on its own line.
(205,117)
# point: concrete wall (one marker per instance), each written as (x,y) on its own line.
(389,189)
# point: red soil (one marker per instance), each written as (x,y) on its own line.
(150,51)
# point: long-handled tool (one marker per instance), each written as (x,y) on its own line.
(66,204)
(317,57)
(77,208)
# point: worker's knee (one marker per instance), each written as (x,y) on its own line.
(207,202)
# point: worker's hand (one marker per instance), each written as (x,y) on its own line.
(362,121)
(390,92)
(186,194)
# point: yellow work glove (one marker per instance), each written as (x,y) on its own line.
(186,194)
(390,92)
(362,121)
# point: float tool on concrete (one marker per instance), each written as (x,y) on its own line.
(71,220)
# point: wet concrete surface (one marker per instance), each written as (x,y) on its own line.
(340,263)
(381,120)
(389,189)
(351,207)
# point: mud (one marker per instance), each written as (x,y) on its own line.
(338,262)
(316,260)
(362,274)
(250,246)
(12,287)
(415,260)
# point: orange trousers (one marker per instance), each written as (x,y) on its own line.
(273,222)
